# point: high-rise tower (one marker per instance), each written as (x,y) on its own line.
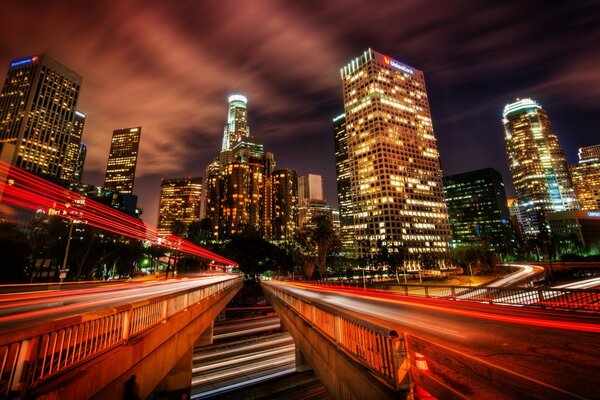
(238,184)
(478,210)
(71,171)
(37,111)
(122,160)
(537,164)
(342,169)
(285,204)
(237,122)
(395,175)
(179,201)
(586,178)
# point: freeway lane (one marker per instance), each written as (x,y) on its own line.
(23,310)
(561,351)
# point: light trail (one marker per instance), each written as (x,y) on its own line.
(451,307)
(68,305)
(28,191)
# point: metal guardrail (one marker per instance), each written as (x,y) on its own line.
(573,300)
(380,349)
(30,358)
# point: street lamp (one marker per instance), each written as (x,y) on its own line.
(470,273)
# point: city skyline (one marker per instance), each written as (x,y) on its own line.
(163,60)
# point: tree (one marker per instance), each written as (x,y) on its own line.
(15,250)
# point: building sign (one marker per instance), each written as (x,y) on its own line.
(396,64)
(23,61)
(593,214)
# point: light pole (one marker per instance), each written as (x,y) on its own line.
(63,270)
(470,273)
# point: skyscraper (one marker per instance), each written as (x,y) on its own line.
(237,122)
(285,204)
(478,210)
(310,200)
(586,178)
(122,160)
(238,184)
(310,187)
(37,111)
(73,156)
(179,201)
(342,169)
(80,162)
(537,164)
(395,175)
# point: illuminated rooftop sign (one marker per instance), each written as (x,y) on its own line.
(24,61)
(593,214)
(398,65)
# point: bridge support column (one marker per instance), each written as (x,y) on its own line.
(206,338)
(177,384)
(301,361)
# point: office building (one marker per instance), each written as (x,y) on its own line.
(537,164)
(37,115)
(285,204)
(310,187)
(586,178)
(239,182)
(575,232)
(180,200)
(395,176)
(342,169)
(311,208)
(237,122)
(73,164)
(122,160)
(478,212)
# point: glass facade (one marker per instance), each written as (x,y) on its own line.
(285,204)
(478,210)
(122,160)
(180,200)
(395,176)
(342,169)
(537,164)
(586,178)
(73,165)
(37,112)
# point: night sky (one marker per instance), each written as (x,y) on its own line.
(170,66)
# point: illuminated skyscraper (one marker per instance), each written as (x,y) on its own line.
(238,184)
(478,210)
(342,168)
(285,204)
(122,160)
(586,178)
(395,175)
(237,122)
(37,111)
(80,162)
(179,201)
(537,164)
(72,158)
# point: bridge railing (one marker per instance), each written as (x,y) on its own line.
(574,300)
(31,357)
(380,349)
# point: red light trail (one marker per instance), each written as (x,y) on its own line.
(28,191)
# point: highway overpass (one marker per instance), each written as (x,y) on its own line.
(107,341)
(372,344)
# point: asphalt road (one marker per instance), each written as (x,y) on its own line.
(30,309)
(557,350)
